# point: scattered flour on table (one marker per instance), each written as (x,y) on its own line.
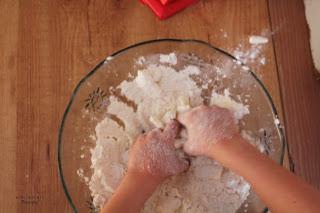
(254,53)
(160,93)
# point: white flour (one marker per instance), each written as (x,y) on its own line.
(250,55)
(170,58)
(253,54)
(160,93)
(258,40)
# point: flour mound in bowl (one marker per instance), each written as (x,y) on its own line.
(159,94)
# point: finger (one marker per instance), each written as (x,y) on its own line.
(154,134)
(155,131)
(183,118)
(172,130)
(188,148)
(142,136)
(184,165)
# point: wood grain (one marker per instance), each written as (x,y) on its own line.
(8,102)
(300,89)
(48,46)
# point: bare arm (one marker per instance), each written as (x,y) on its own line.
(130,196)
(281,190)
(152,159)
(212,132)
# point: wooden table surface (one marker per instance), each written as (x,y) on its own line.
(46,47)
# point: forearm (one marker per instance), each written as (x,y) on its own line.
(131,195)
(278,188)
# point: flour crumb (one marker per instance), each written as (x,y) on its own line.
(109,58)
(246,68)
(141,60)
(80,173)
(258,40)
(169,59)
(224,33)
(263,61)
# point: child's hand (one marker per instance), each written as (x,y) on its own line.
(207,126)
(153,154)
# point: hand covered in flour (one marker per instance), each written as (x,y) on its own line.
(207,126)
(153,155)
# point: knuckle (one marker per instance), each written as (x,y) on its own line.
(142,136)
(154,133)
(204,107)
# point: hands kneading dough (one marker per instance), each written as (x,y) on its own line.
(207,126)
(154,154)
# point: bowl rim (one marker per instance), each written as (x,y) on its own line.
(280,127)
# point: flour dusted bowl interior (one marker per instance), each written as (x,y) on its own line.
(218,71)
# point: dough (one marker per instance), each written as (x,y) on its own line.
(160,94)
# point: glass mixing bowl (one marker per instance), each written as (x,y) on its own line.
(87,106)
